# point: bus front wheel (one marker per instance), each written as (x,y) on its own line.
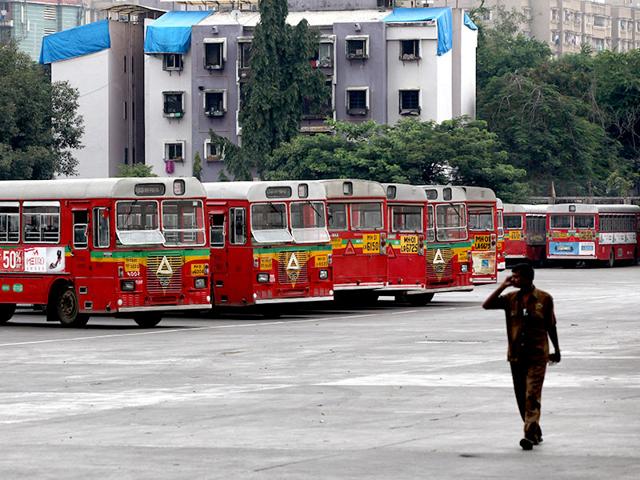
(612,259)
(420,299)
(64,308)
(6,312)
(148,320)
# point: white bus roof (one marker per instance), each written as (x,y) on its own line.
(457,193)
(405,193)
(592,208)
(257,191)
(524,208)
(499,204)
(361,188)
(82,188)
(479,194)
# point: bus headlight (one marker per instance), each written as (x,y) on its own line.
(323,274)
(200,283)
(464,268)
(263,278)
(127,285)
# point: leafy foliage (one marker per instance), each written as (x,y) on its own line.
(457,151)
(39,125)
(281,79)
(136,170)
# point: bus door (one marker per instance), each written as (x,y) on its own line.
(80,253)
(218,223)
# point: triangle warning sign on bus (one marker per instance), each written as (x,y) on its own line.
(391,253)
(349,250)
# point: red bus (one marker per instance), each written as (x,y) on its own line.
(598,233)
(483,225)
(358,239)
(448,255)
(525,232)
(118,246)
(406,247)
(500,246)
(269,243)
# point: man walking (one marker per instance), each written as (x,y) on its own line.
(530,320)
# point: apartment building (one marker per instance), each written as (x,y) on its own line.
(104,61)
(379,65)
(567,25)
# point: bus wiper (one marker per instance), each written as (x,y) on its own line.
(314,208)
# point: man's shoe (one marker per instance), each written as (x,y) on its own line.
(526,444)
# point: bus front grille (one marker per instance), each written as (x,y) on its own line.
(439,265)
(164,274)
(292,268)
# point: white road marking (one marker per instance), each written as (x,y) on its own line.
(188,329)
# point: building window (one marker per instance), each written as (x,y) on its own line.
(214,54)
(358,101)
(409,50)
(174,151)
(215,103)
(324,55)
(244,54)
(410,102)
(599,21)
(172,62)
(173,104)
(212,151)
(357,47)
(554,14)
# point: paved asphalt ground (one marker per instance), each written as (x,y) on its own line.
(384,392)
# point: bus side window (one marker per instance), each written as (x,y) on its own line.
(238,227)
(101,234)
(80,225)
(217,229)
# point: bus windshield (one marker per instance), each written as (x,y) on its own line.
(182,222)
(451,222)
(269,223)
(308,222)
(480,220)
(366,216)
(584,221)
(406,218)
(137,223)
(513,222)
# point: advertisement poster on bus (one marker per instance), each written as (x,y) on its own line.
(32,260)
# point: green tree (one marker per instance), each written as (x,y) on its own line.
(281,80)
(458,151)
(230,156)
(136,170)
(549,135)
(39,125)
(197,166)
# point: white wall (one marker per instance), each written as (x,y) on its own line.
(423,74)
(159,129)
(468,72)
(93,87)
(431,74)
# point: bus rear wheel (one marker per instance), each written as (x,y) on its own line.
(6,312)
(148,320)
(612,259)
(64,308)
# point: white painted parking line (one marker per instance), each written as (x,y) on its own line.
(188,329)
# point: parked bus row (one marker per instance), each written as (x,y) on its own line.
(141,247)
(572,233)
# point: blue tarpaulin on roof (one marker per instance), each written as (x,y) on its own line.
(171,33)
(75,42)
(442,16)
(469,23)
